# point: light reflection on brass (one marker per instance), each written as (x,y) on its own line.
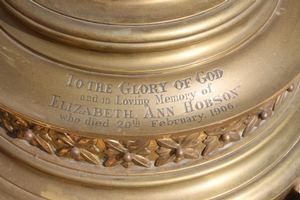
(114,152)
(147,96)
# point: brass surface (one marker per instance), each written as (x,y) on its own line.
(193,145)
(150,99)
(239,172)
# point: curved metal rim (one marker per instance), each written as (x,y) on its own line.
(146,33)
(239,153)
(156,56)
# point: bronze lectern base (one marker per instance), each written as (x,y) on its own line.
(177,99)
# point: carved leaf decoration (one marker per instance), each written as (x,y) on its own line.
(44,145)
(138,150)
(165,155)
(61,144)
(141,161)
(115,145)
(167,143)
(111,161)
(5,119)
(189,139)
(42,132)
(34,142)
(84,142)
(163,151)
(269,111)
(178,159)
(259,120)
(129,152)
(93,149)
(77,157)
(139,146)
(66,139)
(235,136)
(251,122)
(89,157)
(144,152)
(278,101)
(12,123)
(212,143)
(169,147)
(191,153)
(8,126)
(193,144)
(21,132)
(126,143)
(7,116)
(64,152)
(18,122)
(215,132)
(269,104)
(266,110)
(45,136)
(110,152)
(162,160)
(238,125)
(39,128)
(126,164)
(232,136)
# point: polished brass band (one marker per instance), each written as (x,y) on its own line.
(157,99)
(244,161)
(145,153)
(118,94)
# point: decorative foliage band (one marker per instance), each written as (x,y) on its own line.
(142,153)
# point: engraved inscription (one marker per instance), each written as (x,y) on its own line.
(159,112)
(203,77)
(136,101)
(169,122)
(75,108)
(78,83)
(132,104)
(161,99)
(129,88)
(170,148)
(207,103)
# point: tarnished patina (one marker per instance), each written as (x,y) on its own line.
(134,99)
